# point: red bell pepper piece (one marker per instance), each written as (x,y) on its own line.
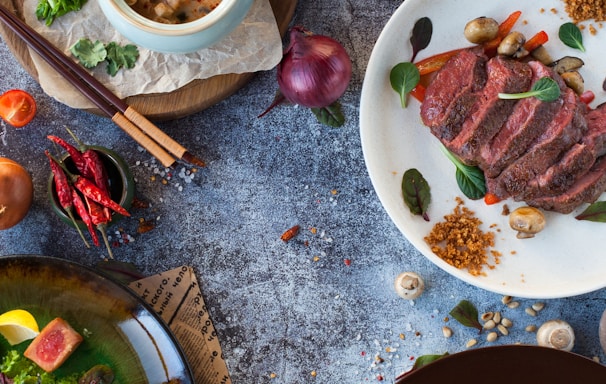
(435,62)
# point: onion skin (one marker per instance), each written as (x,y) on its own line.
(16,193)
(314,71)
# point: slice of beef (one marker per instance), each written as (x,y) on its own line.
(566,128)
(490,112)
(596,134)
(587,189)
(561,175)
(452,93)
(529,119)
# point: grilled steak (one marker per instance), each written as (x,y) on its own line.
(452,93)
(529,119)
(566,128)
(586,189)
(543,153)
(490,112)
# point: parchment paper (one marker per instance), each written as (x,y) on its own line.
(175,295)
(253,46)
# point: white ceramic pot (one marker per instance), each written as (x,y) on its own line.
(175,38)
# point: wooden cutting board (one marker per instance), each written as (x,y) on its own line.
(193,97)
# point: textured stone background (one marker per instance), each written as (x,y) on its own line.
(276,309)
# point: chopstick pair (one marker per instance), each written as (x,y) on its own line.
(126,117)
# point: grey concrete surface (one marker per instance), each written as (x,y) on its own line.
(283,311)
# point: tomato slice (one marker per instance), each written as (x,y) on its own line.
(17,107)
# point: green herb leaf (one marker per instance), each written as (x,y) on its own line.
(571,35)
(404,77)
(331,115)
(595,212)
(426,359)
(421,36)
(50,10)
(120,57)
(467,314)
(544,89)
(416,192)
(90,54)
(470,179)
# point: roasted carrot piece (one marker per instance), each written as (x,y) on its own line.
(491,198)
(504,28)
(536,41)
(435,62)
(418,92)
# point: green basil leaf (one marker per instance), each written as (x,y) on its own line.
(416,192)
(544,89)
(331,115)
(595,212)
(467,314)
(421,36)
(571,35)
(470,179)
(404,77)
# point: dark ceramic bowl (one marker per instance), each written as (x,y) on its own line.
(121,184)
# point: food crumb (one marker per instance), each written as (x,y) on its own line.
(460,242)
(581,10)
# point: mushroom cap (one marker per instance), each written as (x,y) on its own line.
(409,285)
(527,221)
(556,334)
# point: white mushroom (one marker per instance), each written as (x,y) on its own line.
(556,334)
(409,285)
(528,221)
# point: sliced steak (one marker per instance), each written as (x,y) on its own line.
(529,119)
(561,175)
(490,112)
(596,134)
(452,93)
(587,189)
(566,128)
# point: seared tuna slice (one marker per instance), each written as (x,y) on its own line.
(452,93)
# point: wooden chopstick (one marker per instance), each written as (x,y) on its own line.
(131,121)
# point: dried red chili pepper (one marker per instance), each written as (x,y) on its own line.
(83,213)
(92,191)
(75,154)
(98,174)
(64,192)
(100,221)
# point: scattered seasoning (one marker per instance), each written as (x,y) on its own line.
(581,10)
(460,242)
(290,233)
(347,262)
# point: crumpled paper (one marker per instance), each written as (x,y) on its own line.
(253,46)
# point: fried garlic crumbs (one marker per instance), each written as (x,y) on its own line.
(460,242)
(581,10)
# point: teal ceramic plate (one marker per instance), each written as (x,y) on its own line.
(519,364)
(119,329)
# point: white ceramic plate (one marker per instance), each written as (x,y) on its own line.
(567,258)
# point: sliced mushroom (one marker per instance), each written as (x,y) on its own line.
(566,64)
(528,221)
(556,334)
(511,44)
(481,30)
(574,81)
(542,54)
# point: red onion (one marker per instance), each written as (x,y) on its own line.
(315,70)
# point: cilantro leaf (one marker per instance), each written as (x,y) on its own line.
(120,56)
(50,10)
(90,54)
